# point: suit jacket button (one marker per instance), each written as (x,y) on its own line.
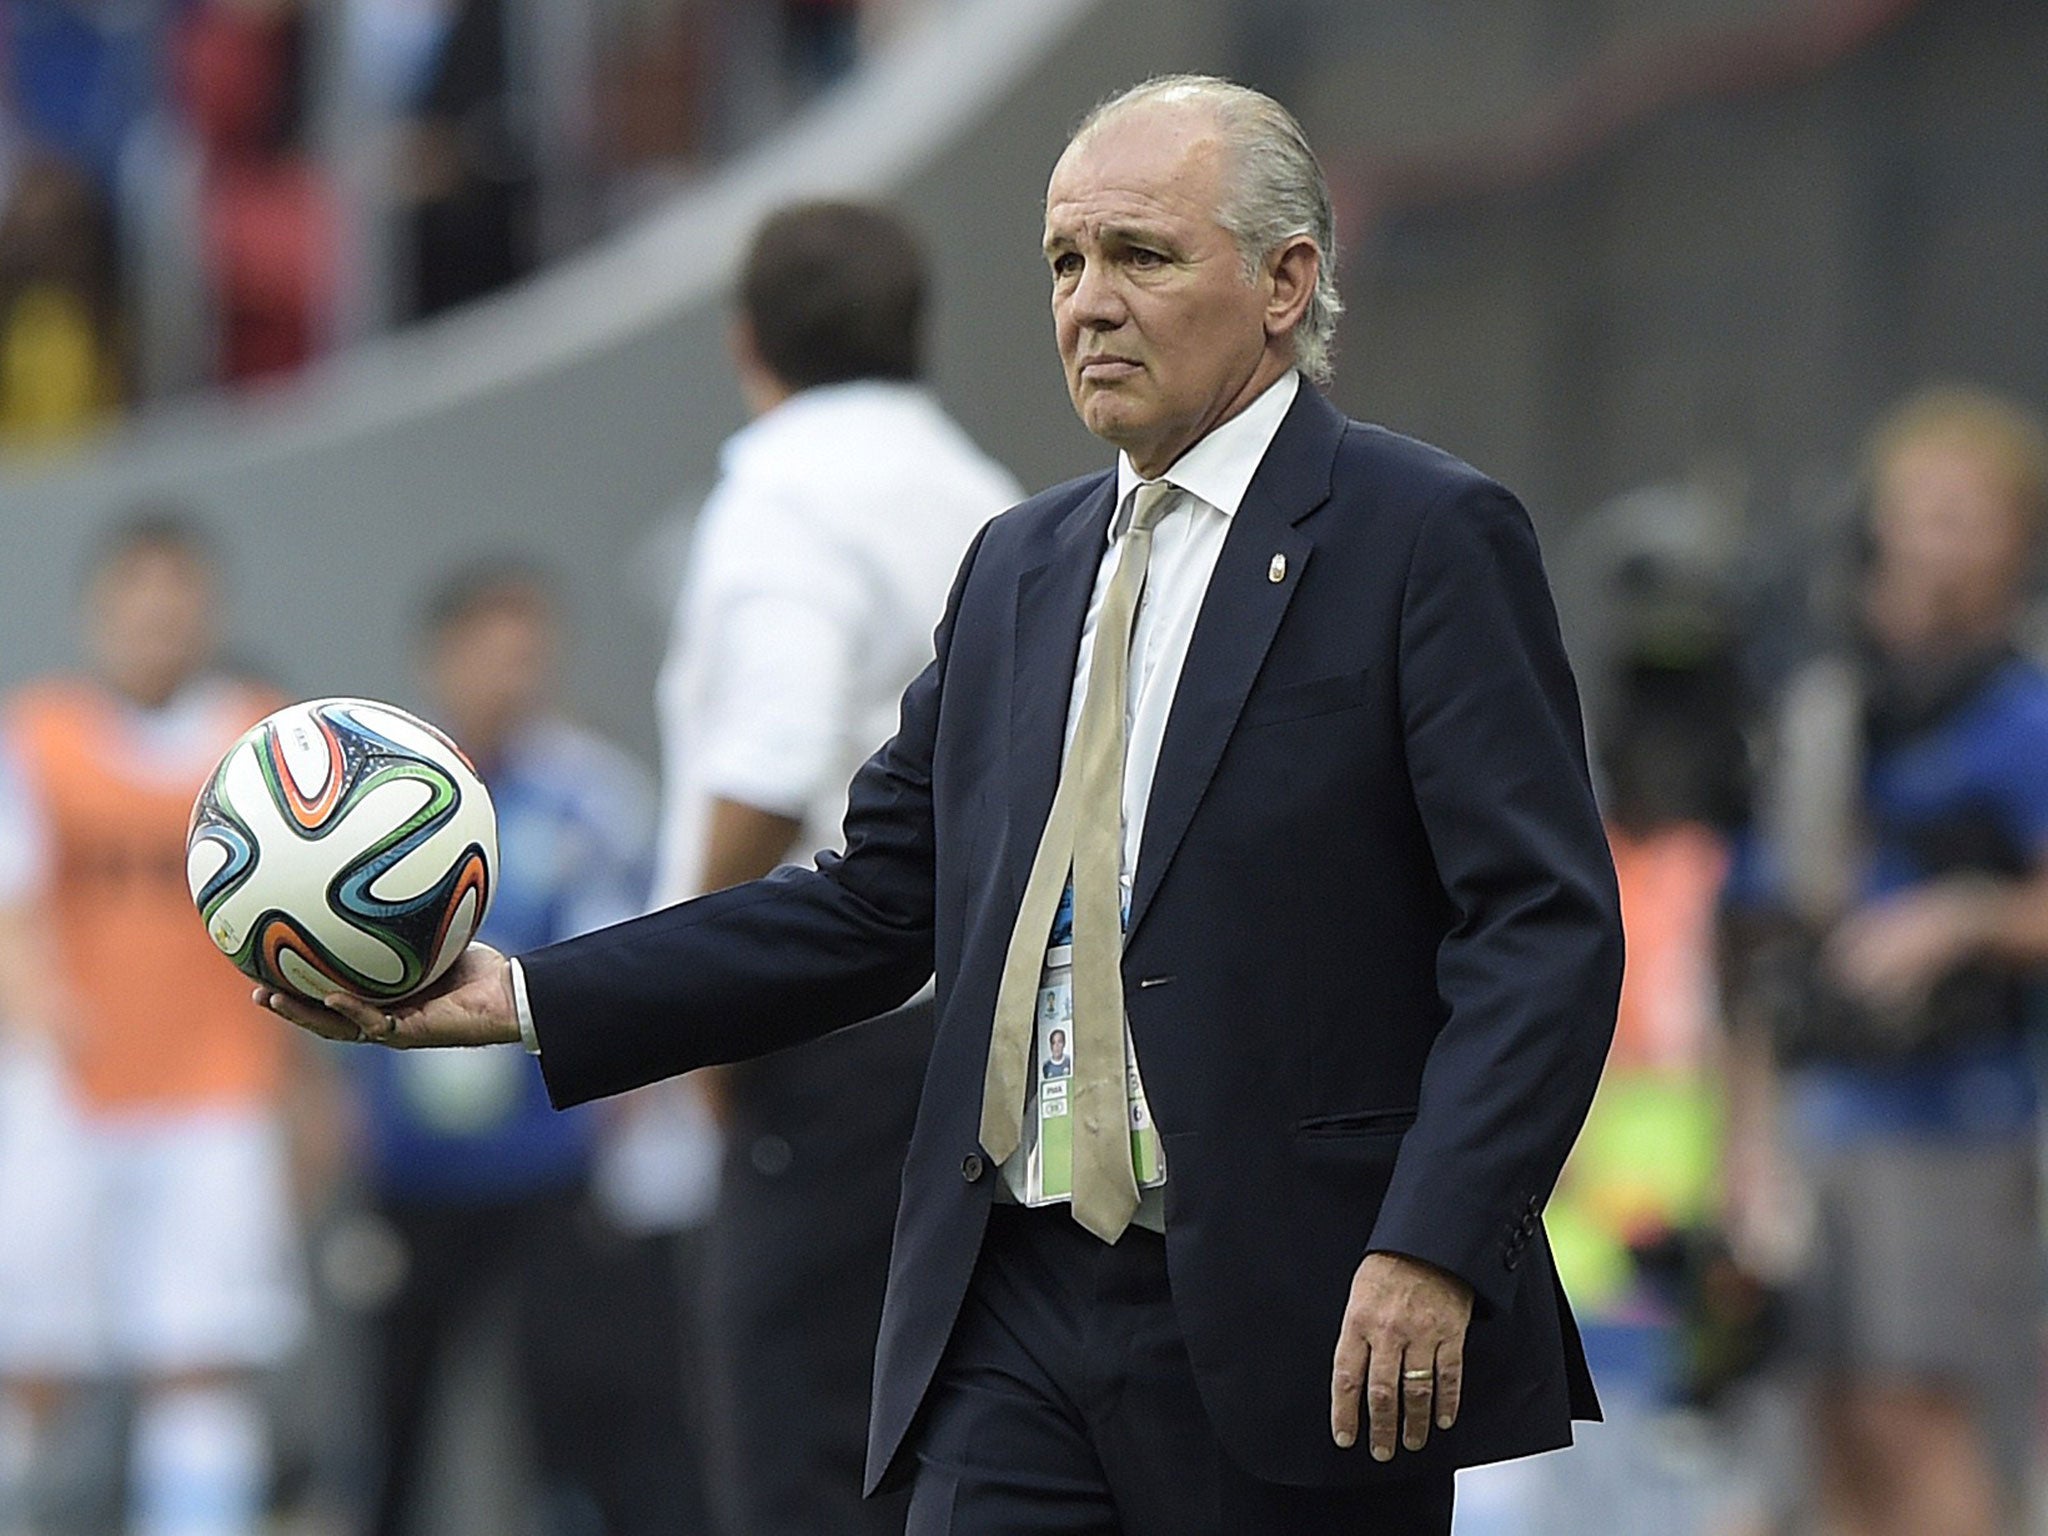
(972,1167)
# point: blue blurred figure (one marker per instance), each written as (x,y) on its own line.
(485,1187)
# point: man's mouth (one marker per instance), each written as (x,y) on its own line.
(1109,367)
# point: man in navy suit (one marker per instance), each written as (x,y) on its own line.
(1370,942)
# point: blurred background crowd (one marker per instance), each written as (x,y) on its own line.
(218,192)
(438,350)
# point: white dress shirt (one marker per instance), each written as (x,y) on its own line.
(1212,477)
(818,570)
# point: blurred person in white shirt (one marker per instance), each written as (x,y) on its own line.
(818,569)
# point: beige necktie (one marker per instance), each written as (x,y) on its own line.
(1084,834)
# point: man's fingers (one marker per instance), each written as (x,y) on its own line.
(1383,1399)
(472,1005)
(366,1016)
(338,1016)
(1347,1379)
(1404,1330)
(1450,1380)
(1418,1389)
(311,1017)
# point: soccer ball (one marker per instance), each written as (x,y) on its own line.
(343,845)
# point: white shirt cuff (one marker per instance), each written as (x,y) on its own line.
(528,1035)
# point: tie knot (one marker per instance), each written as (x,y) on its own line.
(1149,503)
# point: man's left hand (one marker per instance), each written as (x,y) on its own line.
(1403,1345)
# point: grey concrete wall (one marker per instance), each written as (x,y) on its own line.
(1743,277)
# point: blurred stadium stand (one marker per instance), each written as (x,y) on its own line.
(1587,245)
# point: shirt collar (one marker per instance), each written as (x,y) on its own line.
(848,407)
(1218,469)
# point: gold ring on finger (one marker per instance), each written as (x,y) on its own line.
(1423,1373)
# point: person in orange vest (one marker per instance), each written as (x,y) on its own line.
(144,1174)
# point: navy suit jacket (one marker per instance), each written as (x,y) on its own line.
(1373,956)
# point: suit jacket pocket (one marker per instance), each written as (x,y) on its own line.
(1305,700)
(1354,1125)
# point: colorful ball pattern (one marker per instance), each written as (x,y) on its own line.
(343,845)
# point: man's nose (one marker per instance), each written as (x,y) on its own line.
(1096,301)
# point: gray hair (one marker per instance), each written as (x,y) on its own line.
(1276,191)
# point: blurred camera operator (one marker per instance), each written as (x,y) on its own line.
(1887,924)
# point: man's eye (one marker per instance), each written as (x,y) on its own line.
(1142,257)
(1066,264)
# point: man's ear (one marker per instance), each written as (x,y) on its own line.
(1291,274)
(740,347)
(759,386)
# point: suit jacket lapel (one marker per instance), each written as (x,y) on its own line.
(1241,612)
(1052,605)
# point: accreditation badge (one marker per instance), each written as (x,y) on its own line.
(1049,1125)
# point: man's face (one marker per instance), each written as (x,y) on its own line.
(1161,333)
(1059,1044)
(150,621)
(493,669)
(1952,543)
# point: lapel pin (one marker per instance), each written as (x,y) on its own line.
(1277,571)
